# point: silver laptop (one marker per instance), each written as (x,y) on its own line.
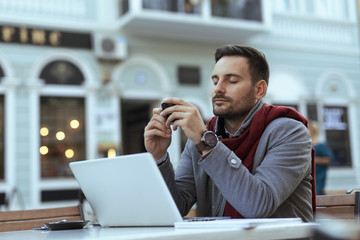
(127,190)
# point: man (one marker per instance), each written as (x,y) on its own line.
(323,157)
(251,160)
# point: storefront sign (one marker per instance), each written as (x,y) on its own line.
(43,37)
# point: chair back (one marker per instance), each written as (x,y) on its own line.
(27,219)
(338,206)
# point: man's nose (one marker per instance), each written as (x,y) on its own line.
(219,87)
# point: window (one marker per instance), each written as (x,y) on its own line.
(62,133)
(2,133)
(62,129)
(62,72)
(336,127)
(246,10)
(135,116)
(124,7)
(182,6)
(337,134)
(188,6)
(164,5)
(2,139)
(312,112)
(188,75)
(1,73)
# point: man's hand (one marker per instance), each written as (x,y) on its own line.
(186,116)
(157,135)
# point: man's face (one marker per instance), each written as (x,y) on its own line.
(232,93)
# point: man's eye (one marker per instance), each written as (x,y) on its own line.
(233,80)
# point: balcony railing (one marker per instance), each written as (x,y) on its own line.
(203,20)
(76,14)
(234,9)
(52,8)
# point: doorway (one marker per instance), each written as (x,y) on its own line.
(135,115)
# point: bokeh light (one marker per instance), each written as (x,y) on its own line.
(74,124)
(44,131)
(69,153)
(60,135)
(44,150)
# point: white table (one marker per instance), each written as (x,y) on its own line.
(273,231)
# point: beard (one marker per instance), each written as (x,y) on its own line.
(233,112)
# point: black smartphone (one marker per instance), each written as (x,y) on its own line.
(166,105)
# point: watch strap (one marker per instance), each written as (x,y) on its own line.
(201,146)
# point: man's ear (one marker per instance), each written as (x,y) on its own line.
(260,89)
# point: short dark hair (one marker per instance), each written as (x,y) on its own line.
(258,66)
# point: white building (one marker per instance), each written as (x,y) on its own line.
(78,79)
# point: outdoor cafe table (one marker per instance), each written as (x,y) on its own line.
(270,231)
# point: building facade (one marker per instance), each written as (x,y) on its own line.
(79,79)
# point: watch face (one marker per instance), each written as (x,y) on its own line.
(210,139)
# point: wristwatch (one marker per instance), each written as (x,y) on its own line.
(208,141)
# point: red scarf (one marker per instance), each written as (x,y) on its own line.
(246,144)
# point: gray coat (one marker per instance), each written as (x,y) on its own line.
(278,186)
